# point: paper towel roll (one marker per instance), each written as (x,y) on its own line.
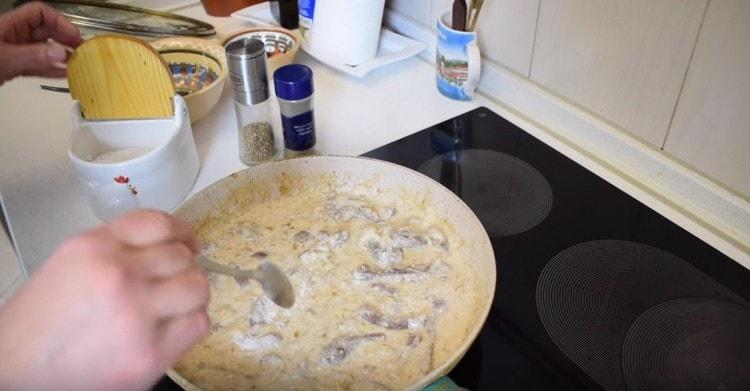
(346,31)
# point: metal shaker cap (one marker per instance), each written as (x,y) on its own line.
(246,59)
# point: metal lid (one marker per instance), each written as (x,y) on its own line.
(245,49)
(127,19)
(246,60)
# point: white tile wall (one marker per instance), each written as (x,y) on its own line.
(711,127)
(505,27)
(506,32)
(418,10)
(425,12)
(623,60)
(638,64)
(437,9)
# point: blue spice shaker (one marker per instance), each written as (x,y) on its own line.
(294,90)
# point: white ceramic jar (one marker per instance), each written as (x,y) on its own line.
(125,165)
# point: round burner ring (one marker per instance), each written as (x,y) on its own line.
(589,294)
(508,195)
(689,344)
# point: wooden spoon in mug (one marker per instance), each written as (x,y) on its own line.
(476,8)
(459,15)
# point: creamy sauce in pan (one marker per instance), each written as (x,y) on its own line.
(383,295)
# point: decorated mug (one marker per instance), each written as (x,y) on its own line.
(458,61)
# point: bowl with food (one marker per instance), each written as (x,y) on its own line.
(281,44)
(393,276)
(198,68)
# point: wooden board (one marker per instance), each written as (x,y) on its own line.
(118,77)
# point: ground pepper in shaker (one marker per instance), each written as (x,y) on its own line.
(294,90)
(259,141)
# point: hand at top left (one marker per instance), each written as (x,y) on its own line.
(25,49)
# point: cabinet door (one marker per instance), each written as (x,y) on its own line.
(624,60)
(711,127)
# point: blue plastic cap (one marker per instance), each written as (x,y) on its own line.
(293,82)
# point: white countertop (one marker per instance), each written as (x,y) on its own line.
(40,191)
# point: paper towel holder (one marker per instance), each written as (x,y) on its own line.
(346,31)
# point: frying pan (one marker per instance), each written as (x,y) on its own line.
(382,180)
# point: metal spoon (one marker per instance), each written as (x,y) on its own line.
(275,283)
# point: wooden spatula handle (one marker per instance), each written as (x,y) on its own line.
(459,15)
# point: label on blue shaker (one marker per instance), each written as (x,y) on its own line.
(306,8)
(306,12)
(299,131)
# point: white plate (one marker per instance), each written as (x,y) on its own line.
(393,47)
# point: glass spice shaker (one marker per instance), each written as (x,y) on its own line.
(294,91)
(260,140)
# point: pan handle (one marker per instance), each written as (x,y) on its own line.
(443,384)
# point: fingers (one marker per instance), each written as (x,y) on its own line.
(145,228)
(180,294)
(39,59)
(162,249)
(49,22)
(164,260)
(179,334)
(23,35)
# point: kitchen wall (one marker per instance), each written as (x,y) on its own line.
(673,73)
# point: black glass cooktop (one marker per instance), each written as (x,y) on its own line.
(595,290)
(586,274)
